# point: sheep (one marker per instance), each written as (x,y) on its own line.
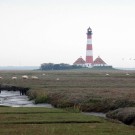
(14,78)
(43,74)
(34,77)
(25,77)
(57,79)
(127,74)
(1,77)
(107,74)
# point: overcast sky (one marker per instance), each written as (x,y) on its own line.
(40,31)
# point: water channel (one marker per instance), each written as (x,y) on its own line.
(13,99)
(95,114)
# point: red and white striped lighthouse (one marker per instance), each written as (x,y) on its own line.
(89,52)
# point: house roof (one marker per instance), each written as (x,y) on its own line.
(79,61)
(98,60)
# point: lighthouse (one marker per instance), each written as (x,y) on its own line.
(98,63)
(89,52)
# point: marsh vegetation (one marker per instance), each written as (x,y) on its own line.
(79,90)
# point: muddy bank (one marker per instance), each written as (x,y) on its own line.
(125,115)
(22,90)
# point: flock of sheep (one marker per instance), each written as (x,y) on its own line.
(36,78)
(23,77)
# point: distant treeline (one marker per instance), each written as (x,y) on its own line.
(61,66)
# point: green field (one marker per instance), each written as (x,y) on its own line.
(77,90)
(39,121)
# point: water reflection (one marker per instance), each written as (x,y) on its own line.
(13,99)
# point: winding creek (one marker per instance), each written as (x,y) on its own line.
(13,99)
(95,114)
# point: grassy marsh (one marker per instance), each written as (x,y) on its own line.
(84,90)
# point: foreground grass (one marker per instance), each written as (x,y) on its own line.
(40,115)
(39,121)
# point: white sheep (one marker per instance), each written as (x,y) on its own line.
(107,74)
(14,78)
(57,79)
(25,77)
(1,77)
(43,74)
(127,74)
(34,77)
